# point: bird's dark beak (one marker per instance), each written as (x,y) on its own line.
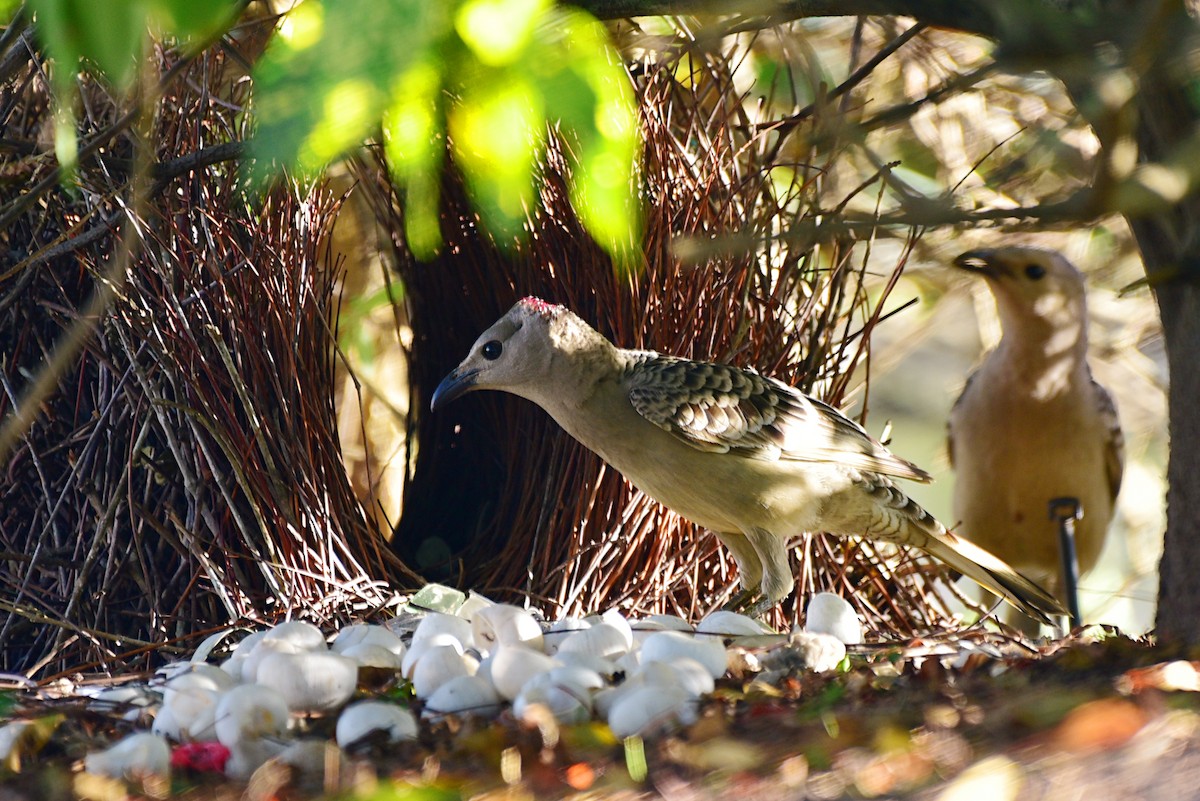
(455,385)
(979,261)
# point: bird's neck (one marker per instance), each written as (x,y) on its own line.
(1045,356)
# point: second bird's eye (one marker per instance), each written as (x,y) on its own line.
(492,350)
(1035,271)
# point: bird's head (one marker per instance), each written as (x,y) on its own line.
(1034,287)
(518,353)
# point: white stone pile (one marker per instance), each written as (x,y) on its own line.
(642,677)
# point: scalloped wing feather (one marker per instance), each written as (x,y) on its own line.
(719,408)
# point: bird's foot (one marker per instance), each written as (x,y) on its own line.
(742,601)
(760,607)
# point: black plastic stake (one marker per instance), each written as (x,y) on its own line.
(1066,511)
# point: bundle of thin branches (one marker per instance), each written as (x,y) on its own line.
(186,471)
(500,500)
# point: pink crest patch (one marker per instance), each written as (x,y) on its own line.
(540,306)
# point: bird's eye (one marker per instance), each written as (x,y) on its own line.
(1035,271)
(492,350)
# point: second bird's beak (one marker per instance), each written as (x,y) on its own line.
(979,261)
(455,385)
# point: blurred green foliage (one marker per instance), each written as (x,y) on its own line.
(488,78)
(110,37)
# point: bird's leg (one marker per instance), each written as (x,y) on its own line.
(749,569)
(777,579)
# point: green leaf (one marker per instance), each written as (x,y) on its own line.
(593,100)
(498,31)
(497,130)
(110,35)
(414,140)
(327,77)
(194,19)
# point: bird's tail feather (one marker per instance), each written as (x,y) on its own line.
(993,573)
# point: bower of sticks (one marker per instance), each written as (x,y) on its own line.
(187,470)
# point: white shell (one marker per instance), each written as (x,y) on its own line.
(367,634)
(693,678)
(648,709)
(189,708)
(137,757)
(10,736)
(730,624)
(364,717)
(463,695)
(368,654)
(568,704)
(629,663)
(472,605)
(507,624)
(221,679)
(603,639)
(245,757)
(437,665)
(830,614)
(821,652)
(513,665)
(254,658)
(250,712)
(311,757)
(645,627)
(606,668)
(559,630)
(312,681)
(615,619)
(302,634)
(439,623)
(667,646)
(418,648)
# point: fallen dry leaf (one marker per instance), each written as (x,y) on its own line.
(1099,725)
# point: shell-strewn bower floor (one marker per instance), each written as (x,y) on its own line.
(491,697)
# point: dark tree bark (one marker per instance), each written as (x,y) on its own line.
(1076,41)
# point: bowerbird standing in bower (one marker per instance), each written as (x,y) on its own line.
(1032,425)
(746,456)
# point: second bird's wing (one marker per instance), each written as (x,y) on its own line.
(725,409)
